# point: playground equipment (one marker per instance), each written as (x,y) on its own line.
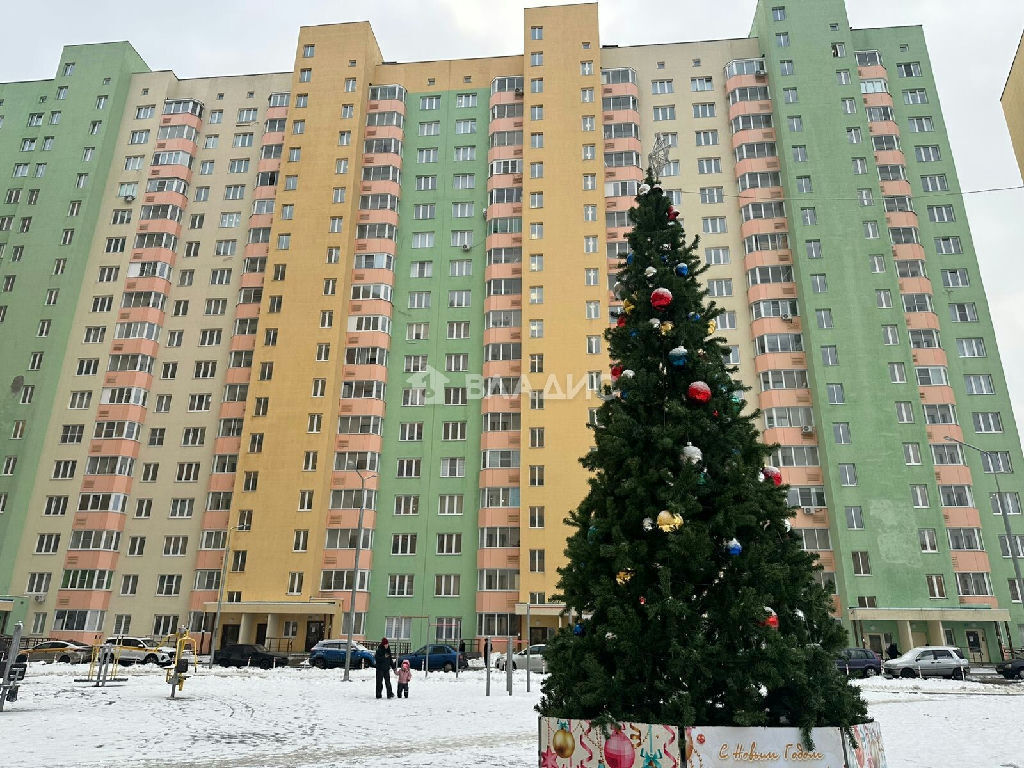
(104,658)
(13,673)
(177,673)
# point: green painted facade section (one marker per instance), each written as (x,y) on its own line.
(891,523)
(29,259)
(433,448)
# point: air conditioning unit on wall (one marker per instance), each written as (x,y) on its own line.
(806,429)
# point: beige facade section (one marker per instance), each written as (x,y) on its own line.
(150,541)
(678,64)
(1013,104)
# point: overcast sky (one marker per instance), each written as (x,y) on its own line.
(971,46)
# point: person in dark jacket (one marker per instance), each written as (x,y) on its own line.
(385,662)
(892,651)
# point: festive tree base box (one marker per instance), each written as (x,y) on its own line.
(581,744)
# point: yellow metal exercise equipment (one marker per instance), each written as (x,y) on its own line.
(177,673)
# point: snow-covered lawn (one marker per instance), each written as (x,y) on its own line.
(309,717)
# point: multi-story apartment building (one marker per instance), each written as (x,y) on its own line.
(340,333)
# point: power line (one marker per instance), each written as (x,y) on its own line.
(815,198)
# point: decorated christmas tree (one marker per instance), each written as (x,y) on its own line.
(692,601)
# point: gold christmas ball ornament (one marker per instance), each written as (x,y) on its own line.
(623,577)
(628,306)
(712,327)
(563,743)
(677,521)
(666,328)
(666,521)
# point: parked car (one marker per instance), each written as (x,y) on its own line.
(1012,669)
(442,657)
(331,653)
(859,661)
(537,663)
(249,655)
(929,661)
(132,650)
(56,650)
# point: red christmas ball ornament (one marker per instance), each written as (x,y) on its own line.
(673,214)
(616,371)
(699,392)
(618,750)
(773,474)
(621,321)
(661,298)
(772,622)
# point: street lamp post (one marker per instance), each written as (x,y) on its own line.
(1010,543)
(355,570)
(220,592)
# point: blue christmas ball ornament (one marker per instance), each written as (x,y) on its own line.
(578,630)
(629,258)
(695,316)
(682,270)
(677,356)
(733,547)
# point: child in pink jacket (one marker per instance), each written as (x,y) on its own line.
(404,676)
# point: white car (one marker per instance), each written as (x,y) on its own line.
(519,660)
(137,650)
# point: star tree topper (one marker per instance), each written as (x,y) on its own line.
(658,158)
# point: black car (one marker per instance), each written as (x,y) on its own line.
(859,662)
(249,655)
(1012,669)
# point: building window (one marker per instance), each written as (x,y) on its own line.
(861,564)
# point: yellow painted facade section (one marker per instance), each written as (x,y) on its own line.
(569,39)
(343,52)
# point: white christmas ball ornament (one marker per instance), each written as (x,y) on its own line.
(692,453)
(643,189)
(650,272)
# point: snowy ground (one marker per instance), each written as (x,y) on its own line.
(296,718)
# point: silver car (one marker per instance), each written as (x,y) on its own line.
(929,661)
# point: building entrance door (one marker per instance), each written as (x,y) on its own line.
(977,645)
(876,644)
(314,633)
(229,635)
